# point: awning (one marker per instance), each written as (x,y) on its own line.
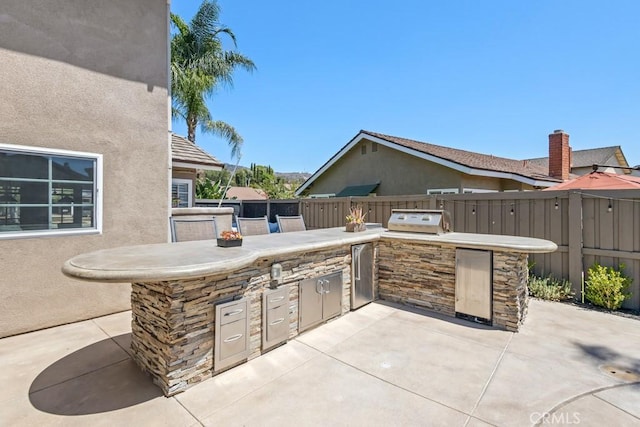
(357,190)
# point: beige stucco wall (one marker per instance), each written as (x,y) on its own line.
(85,76)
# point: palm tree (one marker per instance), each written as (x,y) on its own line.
(199,64)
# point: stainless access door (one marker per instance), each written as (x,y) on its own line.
(361,275)
(332,290)
(310,302)
(473,283)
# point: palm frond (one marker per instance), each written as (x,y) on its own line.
(226,131)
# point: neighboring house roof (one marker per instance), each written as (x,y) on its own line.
(246,193)
(185,153)
(463,161)
(600,181)
(593,156)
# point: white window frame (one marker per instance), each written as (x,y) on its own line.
(97,228)
(180,181)
(477,190)
(441,191)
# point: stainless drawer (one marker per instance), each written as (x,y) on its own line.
(231,344)
(277,324)
(233,339)
(275,316)
(277,297)
(233,312)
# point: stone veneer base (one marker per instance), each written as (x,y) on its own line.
(173,321)
(423,275)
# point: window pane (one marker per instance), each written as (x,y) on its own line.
(34,218)
(44,192)
(64,193)
(33,192)
(15,165)
(180,195)
(72,169)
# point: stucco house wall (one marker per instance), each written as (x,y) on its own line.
(399,173)
(90,77)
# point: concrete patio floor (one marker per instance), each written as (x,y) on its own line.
(379,366)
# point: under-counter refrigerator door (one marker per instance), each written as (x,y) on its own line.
(362,275)
(473,283)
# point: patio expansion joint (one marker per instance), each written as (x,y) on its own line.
(593,392)
(489,380)
(188,411)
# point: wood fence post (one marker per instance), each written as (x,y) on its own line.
(576,255)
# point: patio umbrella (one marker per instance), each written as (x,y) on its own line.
(599,181)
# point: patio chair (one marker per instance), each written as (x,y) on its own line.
(186,229)
(253,226)
(290,223)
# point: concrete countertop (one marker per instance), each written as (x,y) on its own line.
(171,261)
(479,241)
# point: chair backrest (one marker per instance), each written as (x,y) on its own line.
(186,229)
(253,226)
(290,223)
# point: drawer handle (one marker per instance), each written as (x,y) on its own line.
(280,298)
(275,322)
(233,338)
(234,312)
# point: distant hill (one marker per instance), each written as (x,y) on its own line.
(288,176)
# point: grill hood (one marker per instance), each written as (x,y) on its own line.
(420,221)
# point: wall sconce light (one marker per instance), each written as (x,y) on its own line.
(473,211)
(556,206)
(512,211)
(610,207)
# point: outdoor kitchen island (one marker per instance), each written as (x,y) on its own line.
(177,288)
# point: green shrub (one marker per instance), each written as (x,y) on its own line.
(606,286)
(549,288)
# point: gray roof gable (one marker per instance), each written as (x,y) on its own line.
(604,156)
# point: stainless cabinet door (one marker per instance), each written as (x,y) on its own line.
(473,283)
(332,289)
(310,302)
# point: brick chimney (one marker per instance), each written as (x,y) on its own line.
(559,155)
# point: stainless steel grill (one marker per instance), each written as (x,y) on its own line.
(420,221)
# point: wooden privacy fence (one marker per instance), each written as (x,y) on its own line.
(588,226)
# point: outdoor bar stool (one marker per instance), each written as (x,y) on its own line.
(253,226)
(290,223)
(186,229)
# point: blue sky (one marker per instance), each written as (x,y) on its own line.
(490,76)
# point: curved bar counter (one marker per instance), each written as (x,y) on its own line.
(177,287)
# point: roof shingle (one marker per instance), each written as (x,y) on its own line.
(183,150)
(473,160)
